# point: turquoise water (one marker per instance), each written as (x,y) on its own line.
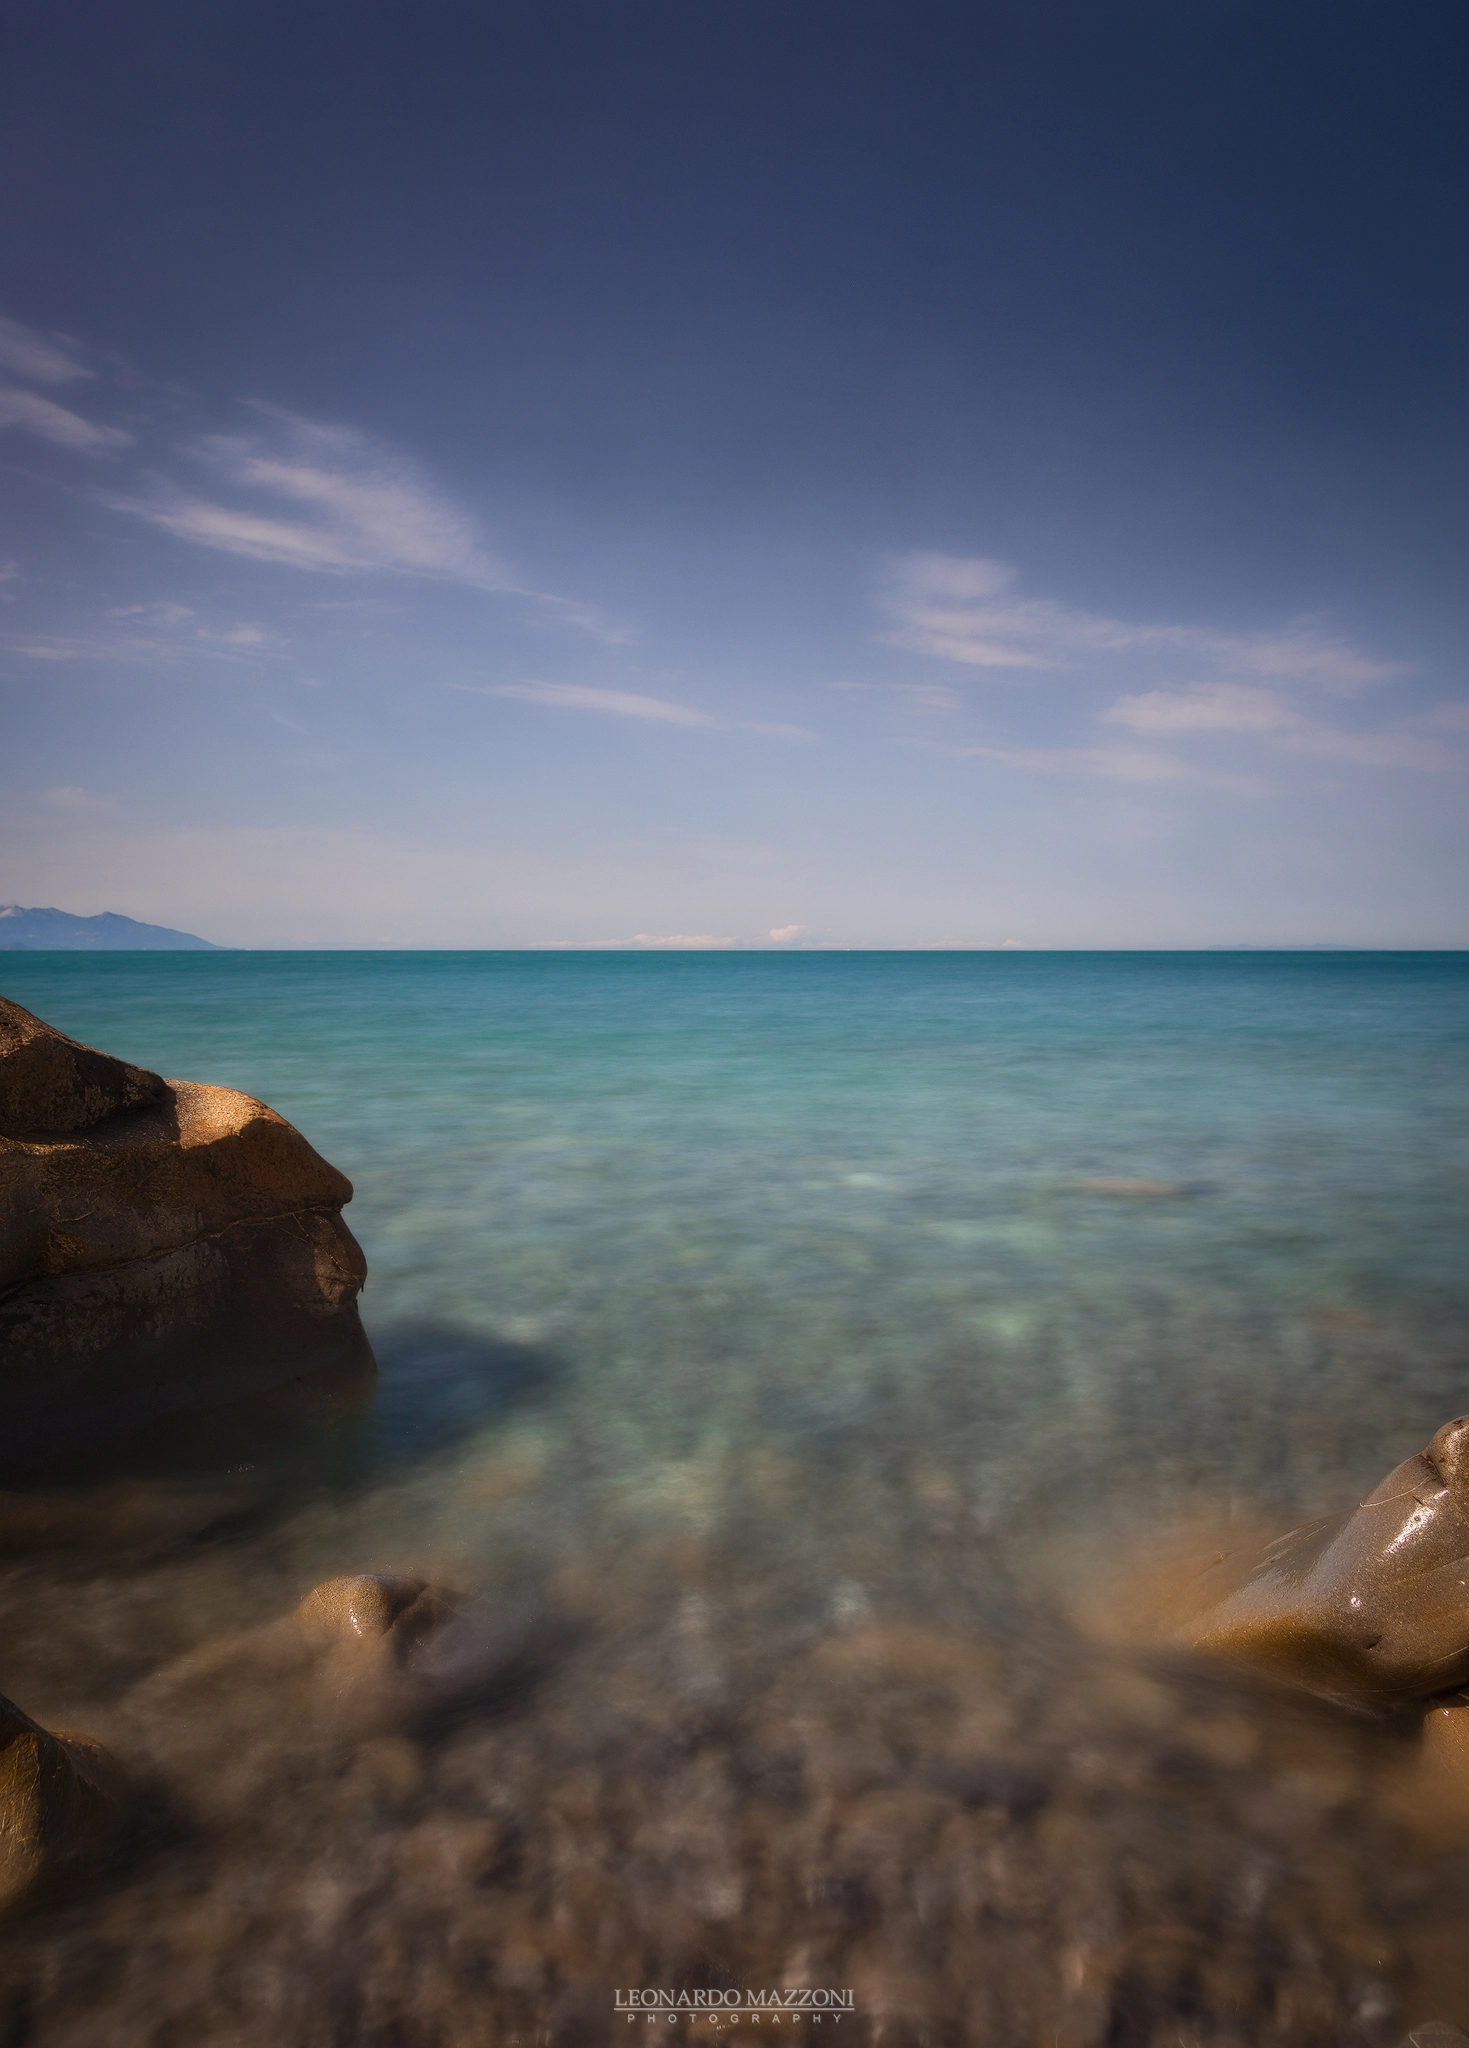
(823,1198)
(784,1356)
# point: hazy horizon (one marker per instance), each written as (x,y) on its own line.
(707,944)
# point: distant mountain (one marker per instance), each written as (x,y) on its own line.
(51,931)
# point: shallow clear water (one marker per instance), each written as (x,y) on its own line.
(733,1308)
(806,1197)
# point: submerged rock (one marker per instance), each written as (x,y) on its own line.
(367,1655)
(366,1606)
(1370,1604)
(62,1801)
(167,1249)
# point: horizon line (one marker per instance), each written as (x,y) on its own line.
(738,948)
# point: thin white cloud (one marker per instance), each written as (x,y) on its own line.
(1134,765)
(782,933)
(41,358)
(1203,707)
(153,634)
(581,697)
(242,533)
(70,798)
(329,500)
(916,696)
(588,617)
(161,613)
(965,610)
(627,704)
(40,416)
(929,697)
(322,498)
(1305,654)
(1247,711)
(701,942)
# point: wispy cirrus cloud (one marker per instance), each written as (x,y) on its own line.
(54,647)
(36,358)
(298,493)
(51,422)
(583,697)
(323,498)
(68,797)
(1212,713)
(39,358)
(1252,712)
(626,704)
(1261,691)
(937,697)
(1140,766)
(159,611)
(966,610)
(152,634)
(335,501)
(1202,707)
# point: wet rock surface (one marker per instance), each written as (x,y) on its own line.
(62,1807)
(364,1607)
(50,1083)
(1368,1605)
(166,1249)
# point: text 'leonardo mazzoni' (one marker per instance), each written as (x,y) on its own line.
(779,2008)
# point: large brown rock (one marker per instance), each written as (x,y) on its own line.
(166,1248)
(1368,1605)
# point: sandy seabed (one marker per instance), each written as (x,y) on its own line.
(756,1724)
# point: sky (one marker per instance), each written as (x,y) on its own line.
(789,473)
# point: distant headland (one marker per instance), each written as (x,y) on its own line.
(48,931)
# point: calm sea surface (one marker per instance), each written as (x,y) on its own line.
(1204,1215)
(735,1309)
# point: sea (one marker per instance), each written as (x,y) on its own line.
(799,1362)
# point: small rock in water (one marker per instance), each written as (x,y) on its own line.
(1127,1185)
(362,1605)
(62,1799)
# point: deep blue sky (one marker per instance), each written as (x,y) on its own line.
(499,474)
